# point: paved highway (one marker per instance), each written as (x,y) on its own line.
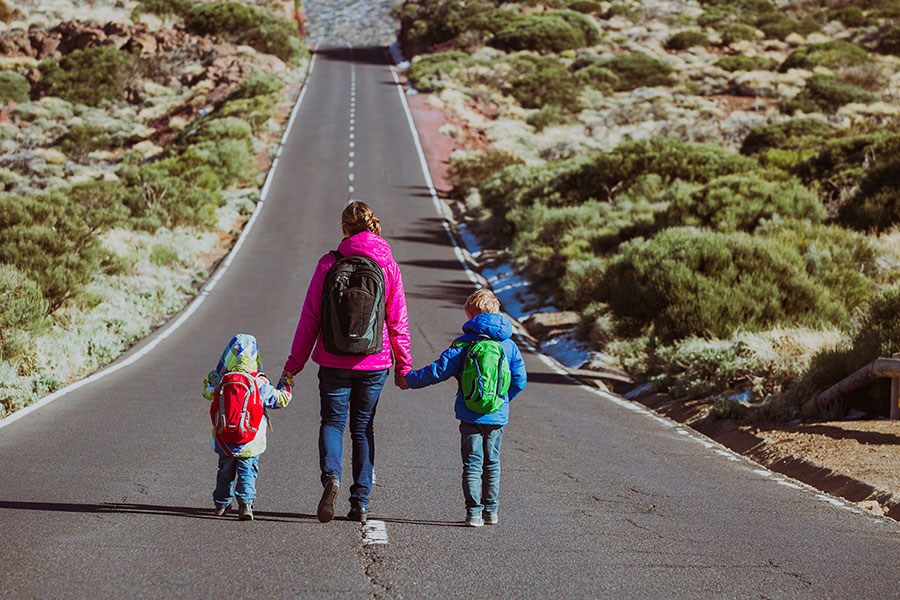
(106,491)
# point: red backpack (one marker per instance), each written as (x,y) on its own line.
(236,410)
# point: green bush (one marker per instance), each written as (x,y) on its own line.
(849,16)
(738,32)
(688,282)
(6,13)
(546,116)
(876,203)
(833,54)
(179,8)
(22,302)
(598,77)
(82,139)
(890,42)
(740,202)
(586,6)
(545,81)
(88,76)
(781,134)
(583,23)
(778,25)
(686,39)
(13,87)
(745,63)
(54,239)
(244,24)
(543,33)
(465,173)
(429,72)
(163,256)
(638,70)
(826,94)
(259,84)
(427,23)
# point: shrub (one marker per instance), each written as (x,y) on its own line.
(426,23)
(890,42)
(586,6)
(638,70)
(583,23)
(6,13)
(700,283)
(738,32)
(824,93)
(745,63)
(546,82)
(162,255)
(876,203)
(740,202)
(82,139)
(686,39)
(598,77)
(21,301)
(779,135)
(849,16)
(833,54)
(244,24)
(543,33)
(259,84)
(429,72)
(546,116)
(179,8)
(465,173)
(13,87)
(777,25)
(88,76)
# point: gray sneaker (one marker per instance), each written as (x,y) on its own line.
(490,518)
(221,509)
(246,512)
(474,521)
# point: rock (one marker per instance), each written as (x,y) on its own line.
(795,39)
(872,506)
(817,38)
(51,155)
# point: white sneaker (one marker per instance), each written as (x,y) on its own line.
(490,518)
(472,521)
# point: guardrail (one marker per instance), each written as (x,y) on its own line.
(880,367)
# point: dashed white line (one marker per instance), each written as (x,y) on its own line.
(375,532)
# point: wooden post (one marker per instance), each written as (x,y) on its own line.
(895,393)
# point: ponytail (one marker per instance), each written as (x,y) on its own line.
(358,217)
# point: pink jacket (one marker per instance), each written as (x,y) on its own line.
(396,323)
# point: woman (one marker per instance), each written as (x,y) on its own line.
(352,382)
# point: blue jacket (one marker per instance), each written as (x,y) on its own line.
(450,363)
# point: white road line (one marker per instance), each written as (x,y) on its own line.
(173,326)
(374,532)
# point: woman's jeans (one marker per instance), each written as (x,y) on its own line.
(236,477)
(342,391)
(481,466)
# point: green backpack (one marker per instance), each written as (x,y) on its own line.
(485,375)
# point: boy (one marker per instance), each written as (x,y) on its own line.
(239,394)
(480,433)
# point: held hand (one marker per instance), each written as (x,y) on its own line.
(400,381)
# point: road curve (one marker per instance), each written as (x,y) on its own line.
(106,491)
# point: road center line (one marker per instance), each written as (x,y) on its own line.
(375,532)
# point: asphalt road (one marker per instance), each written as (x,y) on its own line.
(106,492)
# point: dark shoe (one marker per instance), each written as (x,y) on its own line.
(246,512)
(490,518)
(325,511)
(221,509)
(358,513)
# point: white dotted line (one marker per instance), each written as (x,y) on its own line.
(352,136)
(374,532)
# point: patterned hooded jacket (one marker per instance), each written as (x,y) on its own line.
(396,348)
(242,354)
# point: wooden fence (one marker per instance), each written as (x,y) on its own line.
(880,367)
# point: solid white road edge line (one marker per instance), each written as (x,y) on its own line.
(550,362)
(172,326)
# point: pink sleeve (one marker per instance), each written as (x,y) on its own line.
(398,321)
(310,319)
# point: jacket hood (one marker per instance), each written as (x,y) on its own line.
(241,354)
(493,325)
(368,244)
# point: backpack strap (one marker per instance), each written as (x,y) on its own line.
(337,255)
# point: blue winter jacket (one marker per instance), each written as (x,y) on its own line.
(450,363)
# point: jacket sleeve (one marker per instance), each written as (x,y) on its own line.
(447,365)
(518,376)
(398,321)
(274,396)
(309,325)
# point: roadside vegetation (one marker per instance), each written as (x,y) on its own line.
(126,171)
(713,187)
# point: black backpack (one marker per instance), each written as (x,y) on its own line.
(353,297)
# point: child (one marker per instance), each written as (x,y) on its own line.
(481,433)
(240,442)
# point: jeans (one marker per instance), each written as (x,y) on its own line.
(480,445)
(237,477)
(354,391)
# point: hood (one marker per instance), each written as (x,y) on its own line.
(241,354)
(368,244)
(493,325)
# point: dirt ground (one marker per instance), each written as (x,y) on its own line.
(855,460)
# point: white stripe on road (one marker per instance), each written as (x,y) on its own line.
(374,532)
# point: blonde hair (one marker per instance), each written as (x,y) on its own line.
(482,301)
(358,217)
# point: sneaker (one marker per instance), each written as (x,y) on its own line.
(474,521)
(221,509)
(490,518)
(246,512)
(325,511)
(358,513)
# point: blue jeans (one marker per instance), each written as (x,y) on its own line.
(354,391)
(236,477)
(480,446)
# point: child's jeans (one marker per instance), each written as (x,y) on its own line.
(480,446)
(237,477)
